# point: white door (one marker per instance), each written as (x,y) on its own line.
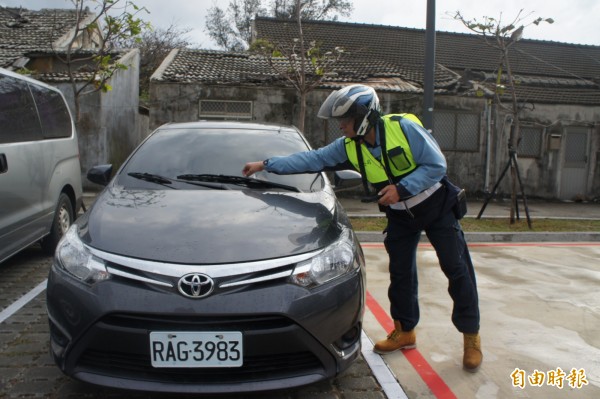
(574,173)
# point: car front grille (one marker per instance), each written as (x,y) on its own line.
(174,322)
(275,347)
(255,368)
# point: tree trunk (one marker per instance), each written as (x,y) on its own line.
(302,114)
(302,80)
(513,140)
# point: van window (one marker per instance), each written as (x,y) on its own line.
(56,122)
(18,116)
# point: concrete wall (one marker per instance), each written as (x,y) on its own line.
(172,102)
(107,125)
(143,126)
(466,169)
(542,176)
(119,109)
(475,171)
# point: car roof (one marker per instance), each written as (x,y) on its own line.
(205,124)
(28,79)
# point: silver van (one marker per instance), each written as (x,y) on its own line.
(40,172)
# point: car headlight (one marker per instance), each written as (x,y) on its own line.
(74,258)
(335,261)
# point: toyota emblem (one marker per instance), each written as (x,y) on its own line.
(195,285)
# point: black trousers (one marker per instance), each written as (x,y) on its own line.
(404,229)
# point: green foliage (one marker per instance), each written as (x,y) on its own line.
(302,65)
(262,46)
(25,71)
(108,26)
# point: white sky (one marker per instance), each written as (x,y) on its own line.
(575,21)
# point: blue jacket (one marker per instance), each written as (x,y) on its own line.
(431,163)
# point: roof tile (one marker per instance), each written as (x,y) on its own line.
(23,31)
(548,71)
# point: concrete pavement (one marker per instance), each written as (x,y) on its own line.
(540,310)
(540,318)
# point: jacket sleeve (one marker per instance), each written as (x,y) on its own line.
(431,163)
(325,158)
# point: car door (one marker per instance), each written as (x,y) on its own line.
(22,182)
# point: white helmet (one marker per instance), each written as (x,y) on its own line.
(357,101)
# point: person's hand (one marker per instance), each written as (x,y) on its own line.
(389,195)
(252,167)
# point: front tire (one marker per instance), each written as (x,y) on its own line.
(63,218)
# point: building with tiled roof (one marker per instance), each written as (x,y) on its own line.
(26,34)
(214,67)
(557,85)
(547,66)
(36,43)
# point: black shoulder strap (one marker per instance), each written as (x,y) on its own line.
(384,155)
(361,165)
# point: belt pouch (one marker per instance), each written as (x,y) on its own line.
(460,208)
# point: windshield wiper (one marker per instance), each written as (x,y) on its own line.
(238,180)
(165,181)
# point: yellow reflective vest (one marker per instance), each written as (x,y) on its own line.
(398,152)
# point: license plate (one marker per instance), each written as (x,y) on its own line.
(196,349)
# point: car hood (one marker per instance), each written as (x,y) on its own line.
(210,226)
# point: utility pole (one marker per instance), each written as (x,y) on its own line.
(429,67)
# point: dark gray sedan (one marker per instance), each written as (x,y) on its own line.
(185,276)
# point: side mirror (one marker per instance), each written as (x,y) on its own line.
(347,180)
(100,174)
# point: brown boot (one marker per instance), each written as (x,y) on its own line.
(397,339)
(473,356)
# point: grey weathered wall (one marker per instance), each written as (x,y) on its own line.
(107,127)
(119,109)
(465,168)
(93,148)
(173,102)
(542,175)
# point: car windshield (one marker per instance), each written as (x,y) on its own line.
(181,154)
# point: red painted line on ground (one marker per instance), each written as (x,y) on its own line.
(533,244)
(435,383)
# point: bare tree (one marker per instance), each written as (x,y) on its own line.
(310,9)
(303,65)
(230,27)
(502,36)
(154,46)
(113,22)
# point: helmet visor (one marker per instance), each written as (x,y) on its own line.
(336,105)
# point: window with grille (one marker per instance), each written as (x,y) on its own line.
(576,147)
(530,144)
(456,131)
(225,109)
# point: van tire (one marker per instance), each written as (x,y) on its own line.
(63,218)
